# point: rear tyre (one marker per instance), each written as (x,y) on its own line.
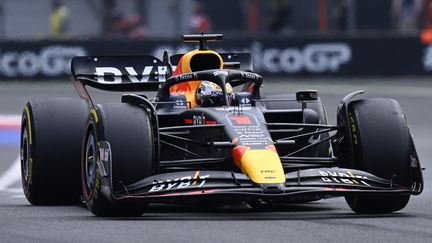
(128,130)
(50,150)
(382,146)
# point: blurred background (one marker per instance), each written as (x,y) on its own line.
(295,38)
(77,19)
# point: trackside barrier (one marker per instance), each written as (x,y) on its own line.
(353,56)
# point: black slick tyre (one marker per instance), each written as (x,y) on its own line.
(51,134)
(128,130)
(382,146)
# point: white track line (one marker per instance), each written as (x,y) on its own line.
(11,176)
(11,120)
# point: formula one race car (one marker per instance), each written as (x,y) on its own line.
(209,134)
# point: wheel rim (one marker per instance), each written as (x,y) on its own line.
(25,151)
(90,163)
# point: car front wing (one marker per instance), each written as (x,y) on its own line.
(323,182)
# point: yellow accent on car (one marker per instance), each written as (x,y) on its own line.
(95,116)
(187,58)
(30,171)
(187,66)
(351,174)
(28,123)
(195,177)
(262,166)
(353,128)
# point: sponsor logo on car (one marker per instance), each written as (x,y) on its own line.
(179,183)
(249,75)
(216,73)
(245,101)
(187,77)
(113,75)
(199,120)
(342,178)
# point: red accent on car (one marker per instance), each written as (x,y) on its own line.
(182,87)
(237,154)
(201,192)
(241,120)
(188,121)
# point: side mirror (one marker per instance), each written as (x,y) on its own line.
(306,95)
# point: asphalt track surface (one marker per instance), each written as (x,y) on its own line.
(325,221)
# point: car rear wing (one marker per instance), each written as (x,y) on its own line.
(120,73)
(136,73)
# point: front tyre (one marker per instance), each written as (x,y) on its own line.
(383,147)
(128,131)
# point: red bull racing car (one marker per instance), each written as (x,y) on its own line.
(208,134)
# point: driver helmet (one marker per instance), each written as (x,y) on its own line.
(210,94)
